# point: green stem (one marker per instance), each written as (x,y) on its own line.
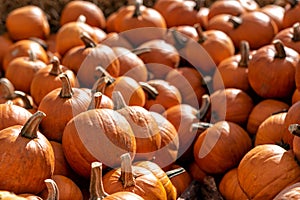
(66,89)
(126,171)
(53,193)
(30,129)
(96,185)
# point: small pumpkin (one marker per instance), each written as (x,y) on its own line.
(32,166)
(214,150)
(275,57)
(268,183)
(138,180)
(276,13)
(73,9)
(291,14)
(27,21)
(262,111)
(67,100)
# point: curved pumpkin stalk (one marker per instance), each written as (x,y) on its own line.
(53,193)
(96,186)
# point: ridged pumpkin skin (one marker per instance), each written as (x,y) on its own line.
(272,168)
(97,134)
(26,162)
(290,192)
(221,147)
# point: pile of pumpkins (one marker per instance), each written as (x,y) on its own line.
(140,104)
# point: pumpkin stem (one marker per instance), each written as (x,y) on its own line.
(53,193)
(296,32)
(175,172)
(66,89)
(201,36)
(236,21)
(199,4)
(245,53)
(96,185)
(205,104)
(118,100)
(30,128)
(126,171)
(294,129)
(180,40)
(140,51)
(25,99)
(200,126)
(137,11)
(103,73)
(81,19)
(7,88)
(293,3)
(96,101)
(100,85)
(56,68)
(150,90)
(279,47)
(87,40)
(32,55)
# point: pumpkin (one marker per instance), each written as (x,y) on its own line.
(139,23)
(160,59)
(275,57)
(173,10)
(144,127)
(262,111)
(290,192)
(67,189)
(221,147)
(168,152)
(96,187)
(83,60)
(268,183)
(229,186)
(68,35)
(27,21)
(180,178)
(182,116)
(162,176)
(239,27)
(291,14)
(9,95)
(290,37)
(271,131)
(291,118)
(275,12)
(5,42)
(22,48)
(167,96)
(130,64)
(114,39)
(31,166)
(47,79)
(12,115)
(136,179)
(230,104)
(130,89)
(27,66)
(67,100)
(211,40)
(73,9)
(190,84)
(232,72)
(106,128)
